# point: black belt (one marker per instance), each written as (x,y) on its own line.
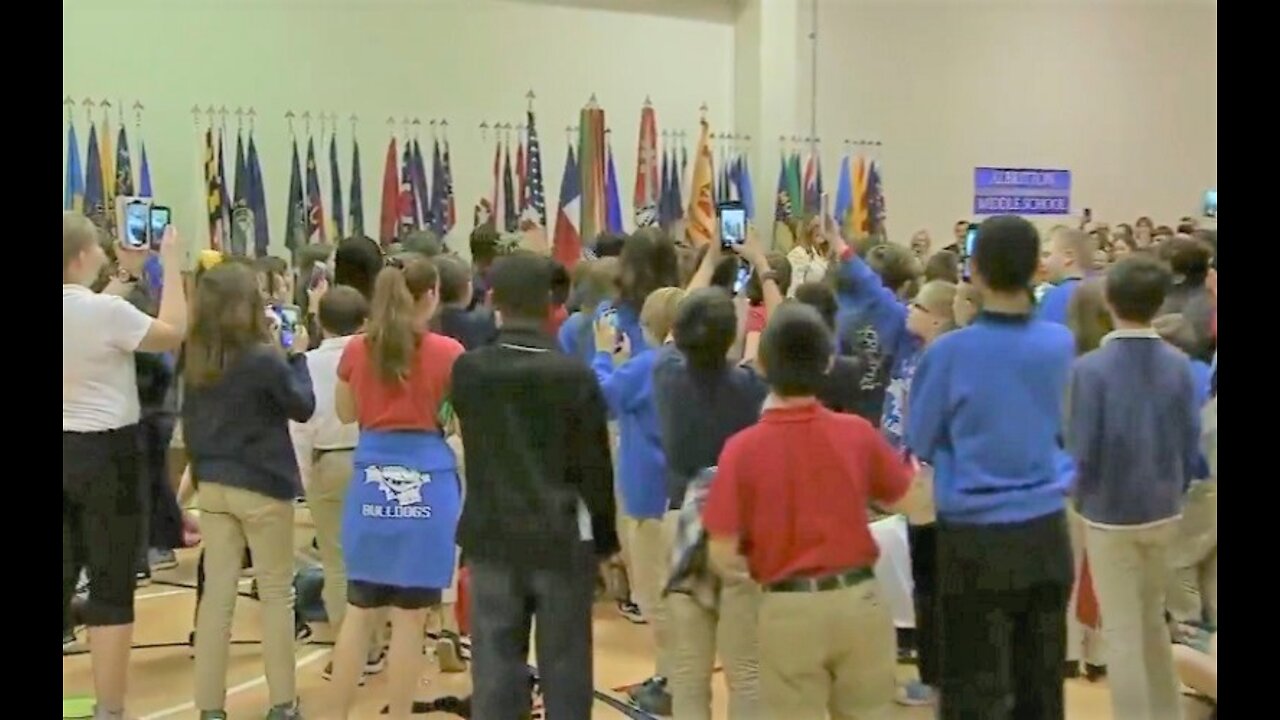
(845,579)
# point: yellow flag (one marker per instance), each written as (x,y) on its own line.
(107,159)
(859,226)
(700,219)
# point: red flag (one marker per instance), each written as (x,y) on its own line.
(1087,610)
(647,194)
(390,218)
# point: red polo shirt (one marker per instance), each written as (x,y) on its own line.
(794,488)
(410,405)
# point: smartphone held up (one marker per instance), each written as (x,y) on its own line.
(733,224)
(142,222)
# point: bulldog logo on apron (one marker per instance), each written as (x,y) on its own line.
(401,511)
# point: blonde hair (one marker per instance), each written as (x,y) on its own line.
(659,312)
(939,297)
(78,234)
(1088,316)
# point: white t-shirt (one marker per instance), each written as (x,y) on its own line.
(99,382)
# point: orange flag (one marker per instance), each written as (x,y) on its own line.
(701,217)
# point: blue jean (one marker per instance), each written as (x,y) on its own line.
(505,599)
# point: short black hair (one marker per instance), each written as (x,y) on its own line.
(343,310)
(484,245)
(454,276)
(356,263)
(821,297)
(796,349)
(706,326)
(1006,253)
(943,265)
(521,285)
(1136,287)
(609,245)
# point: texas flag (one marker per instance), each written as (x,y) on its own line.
(567,242)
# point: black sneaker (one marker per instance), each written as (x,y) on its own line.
(376,664)
(162,559)
(71,645)
(302,632)
(144,576)
(651,696)
(1094,673)
(1070,670)
(631,612)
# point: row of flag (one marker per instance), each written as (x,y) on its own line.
(411,200)
(518,197)
(92,186)
(859,203)
(237,219)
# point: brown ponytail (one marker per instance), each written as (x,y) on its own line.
(393,333)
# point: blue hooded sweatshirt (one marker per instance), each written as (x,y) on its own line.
(642,467)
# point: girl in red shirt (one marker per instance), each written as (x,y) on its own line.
(402,507)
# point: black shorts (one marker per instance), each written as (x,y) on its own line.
(371,596)
(101,521)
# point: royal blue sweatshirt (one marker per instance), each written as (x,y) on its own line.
(1134,429)
(237,429)
(577,334)
(863,290)
(986,412)
(1053,306)
(642,468)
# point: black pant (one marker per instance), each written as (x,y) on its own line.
(923,540)
(505,598)
(101,522)
(161,516)
(1002,598)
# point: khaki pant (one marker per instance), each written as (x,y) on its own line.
(229,518)
(649,550)
(827,652)
(1193,557)
(1083,642)
(1130,575)
(329,482)
(697,635)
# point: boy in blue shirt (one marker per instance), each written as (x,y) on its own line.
(1068,254)
(1134,432)
(985,410)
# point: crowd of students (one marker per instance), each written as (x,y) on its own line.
(727,421)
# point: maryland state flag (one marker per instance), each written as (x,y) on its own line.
(213,191)
(700,220)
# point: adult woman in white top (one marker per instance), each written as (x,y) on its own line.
(101,502)
(809,256)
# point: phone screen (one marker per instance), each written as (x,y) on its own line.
(1211,203)
(159,222)
(740,280)
(290,316)
(137,231)
(970,243)
(733,224)
(318,272)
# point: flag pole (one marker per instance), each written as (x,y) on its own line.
(484,130)
(88,105)
(70,105)
(434,136)
(252,114)
(529,96)
(391,127)
(417,127)
(444,129)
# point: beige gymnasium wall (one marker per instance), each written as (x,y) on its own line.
(1121,92)
(469,60)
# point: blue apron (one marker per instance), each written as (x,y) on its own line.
(400,517)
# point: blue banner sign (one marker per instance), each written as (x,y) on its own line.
(1021,191)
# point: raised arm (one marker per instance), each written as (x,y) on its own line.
(928,401)
(169,328)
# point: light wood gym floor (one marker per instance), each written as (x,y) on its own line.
(161,679)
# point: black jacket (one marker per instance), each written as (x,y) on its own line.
(534,427)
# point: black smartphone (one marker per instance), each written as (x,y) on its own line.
(137,226)
(290,317)
(159,221)
(733,224)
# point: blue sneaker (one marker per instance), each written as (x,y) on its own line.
(916,694)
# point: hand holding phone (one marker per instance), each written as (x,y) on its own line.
(159,219)
(733,224)
(136,233)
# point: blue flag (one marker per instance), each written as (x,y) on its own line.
(421,192)
(612,203)
(844,194)
(94,194)
(357,192)
(144,172)
(335,190)
(73,188)
(257,193)
(744,187)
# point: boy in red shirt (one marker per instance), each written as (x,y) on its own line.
(789,506)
